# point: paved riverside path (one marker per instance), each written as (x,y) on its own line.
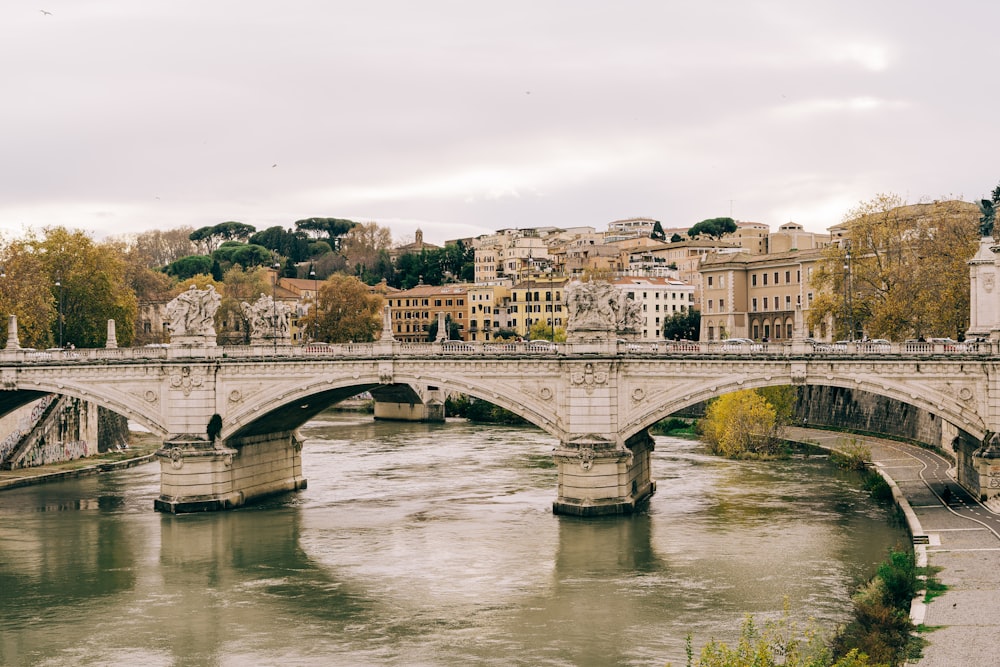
(963,539)
(141,450)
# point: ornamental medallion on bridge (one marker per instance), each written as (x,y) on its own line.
(8,381)
(184,380)
(588,377)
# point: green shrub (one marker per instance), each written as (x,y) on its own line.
(851,455)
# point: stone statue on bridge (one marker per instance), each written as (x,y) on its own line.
(269,320)
(599,310)
(191,315)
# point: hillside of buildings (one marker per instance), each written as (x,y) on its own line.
(715,279)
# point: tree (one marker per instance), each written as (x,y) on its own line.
(541,330)
(347,311)
(22,296)
(210,238)
(244,254)
(363,244)
(239,285)
(713,227)
(454,331)
(159,248)
(328,229)
(185,267)
(782,398)
(293,245)
(92,288)
(683,325)
(741,423)
(657,234)
(901,270)
(676,238)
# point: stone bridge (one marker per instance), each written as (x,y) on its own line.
(595,398)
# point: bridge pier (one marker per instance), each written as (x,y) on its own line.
(596,478)
(197,476)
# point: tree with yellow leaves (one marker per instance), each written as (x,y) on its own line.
(741,424)
(900,270)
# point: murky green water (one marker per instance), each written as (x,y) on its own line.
(425,544)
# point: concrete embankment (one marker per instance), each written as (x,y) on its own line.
(953,533)
(141,450)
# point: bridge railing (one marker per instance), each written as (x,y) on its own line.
(504,348)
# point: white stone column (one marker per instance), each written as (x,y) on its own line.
(12,342)
(112,340)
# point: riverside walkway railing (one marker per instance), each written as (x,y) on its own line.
(646,349)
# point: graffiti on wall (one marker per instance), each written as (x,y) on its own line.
(52,452)
(25,426)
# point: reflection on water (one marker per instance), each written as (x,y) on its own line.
(420,544)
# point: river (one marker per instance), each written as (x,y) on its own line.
(429,544)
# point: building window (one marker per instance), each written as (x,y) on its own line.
(765,303)
(775,277)
(788,302)
(710,281)
(753,304)
(753,279)
(722,305)
(788,277)
(765,278)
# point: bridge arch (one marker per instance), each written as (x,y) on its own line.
(944,406)
(127,405)
(286,407)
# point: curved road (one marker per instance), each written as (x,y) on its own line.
(962,538)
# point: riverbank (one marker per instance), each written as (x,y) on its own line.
(142,449)
(952,532)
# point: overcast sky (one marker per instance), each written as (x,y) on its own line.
(465,117)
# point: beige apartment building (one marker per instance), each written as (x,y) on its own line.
(658,299)
(764,297)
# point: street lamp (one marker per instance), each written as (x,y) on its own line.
(312,274)
(274,308)
(59,285)
(552,303)
(848,304)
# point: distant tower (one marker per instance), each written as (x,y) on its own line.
(418,239)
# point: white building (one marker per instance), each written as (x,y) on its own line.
(659,298)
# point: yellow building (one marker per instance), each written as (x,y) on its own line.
(413,310)
(487,310)
(540,298)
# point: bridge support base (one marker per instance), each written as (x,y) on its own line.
(196,476)
(595,478)
(409,412)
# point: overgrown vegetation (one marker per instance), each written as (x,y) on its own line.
(742,424)
(851,454)
(478,410)
(880,632)
(675,426)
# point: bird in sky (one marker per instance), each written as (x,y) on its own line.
(45,12)
(274,165)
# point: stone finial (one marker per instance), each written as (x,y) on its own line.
(442,329)
(386,323)
(12,341)
(112,339)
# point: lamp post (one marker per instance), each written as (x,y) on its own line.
(552,303)
(59,285)
(274,308)
(848,300)
(312,274)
